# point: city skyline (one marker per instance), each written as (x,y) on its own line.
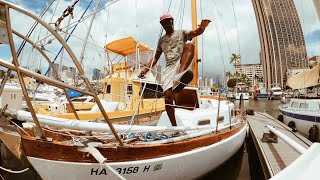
(281,40)
(229,29)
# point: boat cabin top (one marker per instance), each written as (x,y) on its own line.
(304,104)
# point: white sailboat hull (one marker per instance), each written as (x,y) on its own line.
(187,165)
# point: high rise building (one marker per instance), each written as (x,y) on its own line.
(281,40)
(317,6)
(96,74)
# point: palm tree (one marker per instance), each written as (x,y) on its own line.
(228,75)
(236,75)
(235,59)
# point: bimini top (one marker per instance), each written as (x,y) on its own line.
(126,46)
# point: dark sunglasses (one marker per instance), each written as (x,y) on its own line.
(166,22)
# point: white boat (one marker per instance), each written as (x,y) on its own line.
(303,113)
(261,92)
(198,150)
(241,89)
(190,155)
(275,93)
(209,132)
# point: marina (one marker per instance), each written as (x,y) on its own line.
(274,153)
(137,118)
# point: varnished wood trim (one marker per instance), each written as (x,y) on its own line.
(65,151)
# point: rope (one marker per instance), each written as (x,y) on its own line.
(83,18)
(112,170)
(66,12)
(54,12)
(19,127)
(14,172)
(101,159)
(222,24)
(235,18)
(138,103)
(220,47)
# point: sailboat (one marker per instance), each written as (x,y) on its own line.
(208,132)
(121,88)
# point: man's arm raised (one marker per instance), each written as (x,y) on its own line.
(203,25)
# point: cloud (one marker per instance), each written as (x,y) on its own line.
(140,19)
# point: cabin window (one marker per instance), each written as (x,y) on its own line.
(129,89)
(220,119)
(303,106)
(203,122)
(108,89)
(295,104)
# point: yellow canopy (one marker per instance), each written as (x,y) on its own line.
(126,46)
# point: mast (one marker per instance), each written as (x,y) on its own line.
(195,39)
(88,33)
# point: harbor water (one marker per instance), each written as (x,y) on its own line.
(236,168)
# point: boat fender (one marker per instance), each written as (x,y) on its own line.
(280,118)
(250,112)
(292,125)
(313,133)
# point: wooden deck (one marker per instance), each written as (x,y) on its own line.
(274,157)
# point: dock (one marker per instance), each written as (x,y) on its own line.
(273,156)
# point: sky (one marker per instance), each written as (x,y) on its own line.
(233,30)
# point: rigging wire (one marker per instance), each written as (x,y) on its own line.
(69,36)
(235,18)
(145,84)
(223,28)
(21,47)
(220,47)
(202,47)
(106,53)
(54,12)
(76,22)
(182,16)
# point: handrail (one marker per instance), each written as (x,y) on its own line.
(20,71)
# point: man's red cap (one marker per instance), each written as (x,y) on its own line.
(165,16)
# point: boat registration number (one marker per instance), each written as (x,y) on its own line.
(127,170)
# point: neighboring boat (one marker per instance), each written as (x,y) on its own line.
(209,132)
(275,93)
(230,95)
(241,89)
(121,90)
(261,93)
(302,113)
